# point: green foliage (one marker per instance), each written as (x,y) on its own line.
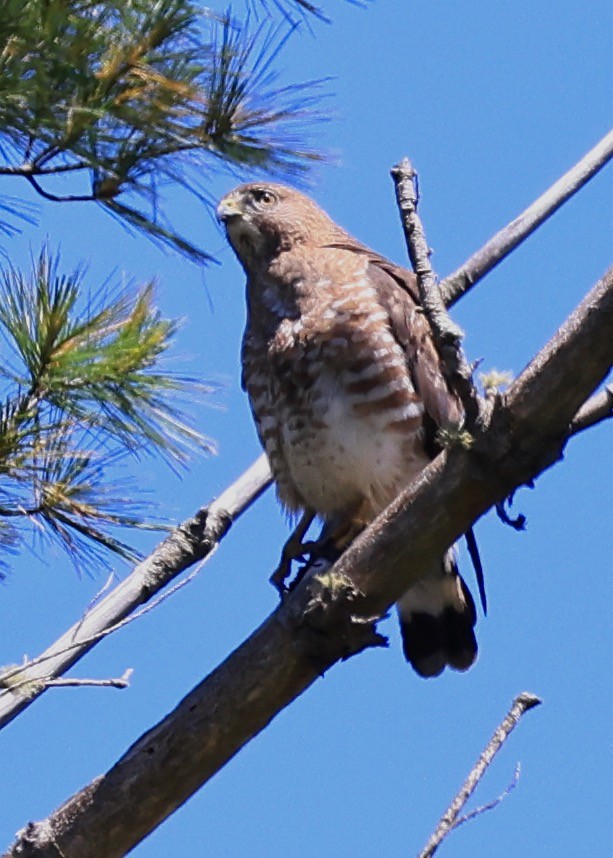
(128,94)
(107,102)
(82,388)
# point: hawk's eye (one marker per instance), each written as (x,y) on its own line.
(262,196)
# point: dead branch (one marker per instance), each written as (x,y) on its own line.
(447,335)
(9,677)
(598,408)
(29,686)
(505,241)
(484,808)
(120,682)
(332,616)
(451,819)
(190,542)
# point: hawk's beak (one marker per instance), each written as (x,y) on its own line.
(227,209)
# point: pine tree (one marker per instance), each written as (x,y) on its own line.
(106,102)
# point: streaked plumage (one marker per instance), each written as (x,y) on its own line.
(346,388)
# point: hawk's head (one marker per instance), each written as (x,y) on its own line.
(262,219)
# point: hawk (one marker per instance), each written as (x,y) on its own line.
(346,389)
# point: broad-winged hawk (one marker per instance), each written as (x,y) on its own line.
(346,388)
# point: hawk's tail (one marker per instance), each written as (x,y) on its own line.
(437,618)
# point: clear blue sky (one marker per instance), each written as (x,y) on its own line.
(492,102)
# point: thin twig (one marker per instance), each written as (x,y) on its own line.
(508,238)
(95,599)
(5,677)
(70,198)
(120,682)
(33,170)
(448,336)
(449,820)
(30,686)
(484,808)
(598,407)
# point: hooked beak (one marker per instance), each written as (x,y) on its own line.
(228,209)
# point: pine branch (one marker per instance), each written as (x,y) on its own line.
(54,198)
(99,367)
(134,93)
(329,618)
(84,388)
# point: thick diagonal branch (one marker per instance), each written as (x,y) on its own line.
(328,617)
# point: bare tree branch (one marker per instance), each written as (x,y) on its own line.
(330,616)
(505,241)
(450,819)
(447,335)
(484,808)
(598,408)
(192,541)
(120,682)
(70,198)
(27,685)
(33,170)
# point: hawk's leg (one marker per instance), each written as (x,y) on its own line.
(293,549)
(336,536)
(338,533)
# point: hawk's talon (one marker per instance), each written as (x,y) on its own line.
(280,576)
(292,550)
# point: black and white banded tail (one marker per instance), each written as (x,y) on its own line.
(437,618)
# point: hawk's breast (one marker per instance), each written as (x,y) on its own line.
(342,424)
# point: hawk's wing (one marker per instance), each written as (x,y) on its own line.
(398,293)
(399,296)
(262,391)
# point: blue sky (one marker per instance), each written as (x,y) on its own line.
(492,102)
